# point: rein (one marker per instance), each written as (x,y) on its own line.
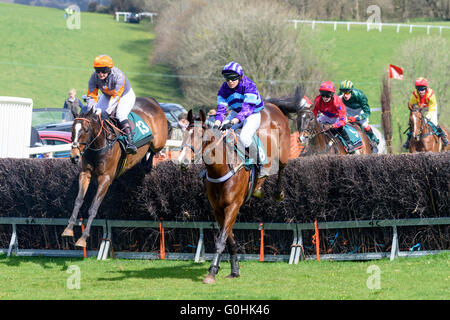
(232,171)
(422,126)
(88,146)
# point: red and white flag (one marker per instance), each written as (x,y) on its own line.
(395,72)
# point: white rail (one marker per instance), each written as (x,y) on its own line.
(370,25)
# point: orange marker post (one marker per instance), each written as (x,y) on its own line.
(82,230)
(162,248)
(261,248)
(316,238)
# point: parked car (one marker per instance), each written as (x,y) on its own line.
(53,119)
(134,18)
(172,111)
(53,138)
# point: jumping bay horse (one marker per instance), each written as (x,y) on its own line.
(316,139)
(95,142)
(227,182)
(422,136)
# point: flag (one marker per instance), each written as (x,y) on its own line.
(395,72)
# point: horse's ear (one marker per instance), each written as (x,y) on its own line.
(202,116)
(190,116)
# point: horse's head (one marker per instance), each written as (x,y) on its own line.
(85,129)
(306,124)
(416,120)
(192,140)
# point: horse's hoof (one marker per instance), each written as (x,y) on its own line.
(67,233)
(278,196)
(233,276)
(81,243)
(258,194)
(209,279)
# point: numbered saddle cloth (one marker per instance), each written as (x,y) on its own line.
(142,133)
(261,153)
(353,135)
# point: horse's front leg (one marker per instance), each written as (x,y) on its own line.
(104,182)
(215,264)
(279,193)
(83,184)
(234,259)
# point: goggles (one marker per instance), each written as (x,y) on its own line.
(345,91)
(421,88)
(102,70)
(326,94)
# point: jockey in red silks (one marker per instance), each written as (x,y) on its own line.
(333,110)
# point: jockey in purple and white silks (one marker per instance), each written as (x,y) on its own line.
(239,95)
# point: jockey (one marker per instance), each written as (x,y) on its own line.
(240,95)
(424,97)
(117,95)
(334,114)
(358,110)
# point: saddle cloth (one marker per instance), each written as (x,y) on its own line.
(256,142)
(353,135)
(142,133)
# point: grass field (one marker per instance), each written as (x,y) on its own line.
(31,278)
(42,59)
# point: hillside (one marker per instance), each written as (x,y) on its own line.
(42,59)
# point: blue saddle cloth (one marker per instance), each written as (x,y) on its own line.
(141,133)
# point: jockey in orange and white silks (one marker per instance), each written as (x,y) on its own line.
(117,95)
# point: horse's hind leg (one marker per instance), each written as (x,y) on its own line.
(83,181)
(234,260)
(148,163)
(103,184)
(279,193)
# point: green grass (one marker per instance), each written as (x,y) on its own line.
(42,59)
(425,278)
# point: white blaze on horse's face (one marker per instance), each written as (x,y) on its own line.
(415,125)
(76,135)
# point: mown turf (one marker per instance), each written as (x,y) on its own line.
(51,278)
(42,59)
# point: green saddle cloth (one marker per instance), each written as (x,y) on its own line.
(256,142)
(353,136)
(141,133)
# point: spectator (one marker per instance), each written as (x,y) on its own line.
(211,117)
(183,121)
(73,104)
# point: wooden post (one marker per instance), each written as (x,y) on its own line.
(386,115)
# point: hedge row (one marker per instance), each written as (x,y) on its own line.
(326,188)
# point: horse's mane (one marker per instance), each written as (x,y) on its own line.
(289,104)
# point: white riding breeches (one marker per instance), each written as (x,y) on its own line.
(249,127)
(124,106)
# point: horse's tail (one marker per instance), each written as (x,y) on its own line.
(289,104)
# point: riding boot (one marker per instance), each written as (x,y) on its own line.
(372,136)
(130,147)
(373,140)
(406,145)
(262,172)
(442,135)
(343,133)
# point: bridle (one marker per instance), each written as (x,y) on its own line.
(422,125)
(88,145)
(197,154)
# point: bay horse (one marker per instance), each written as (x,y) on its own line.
(227,182)
(312,135)
(100,153)
(422,137)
